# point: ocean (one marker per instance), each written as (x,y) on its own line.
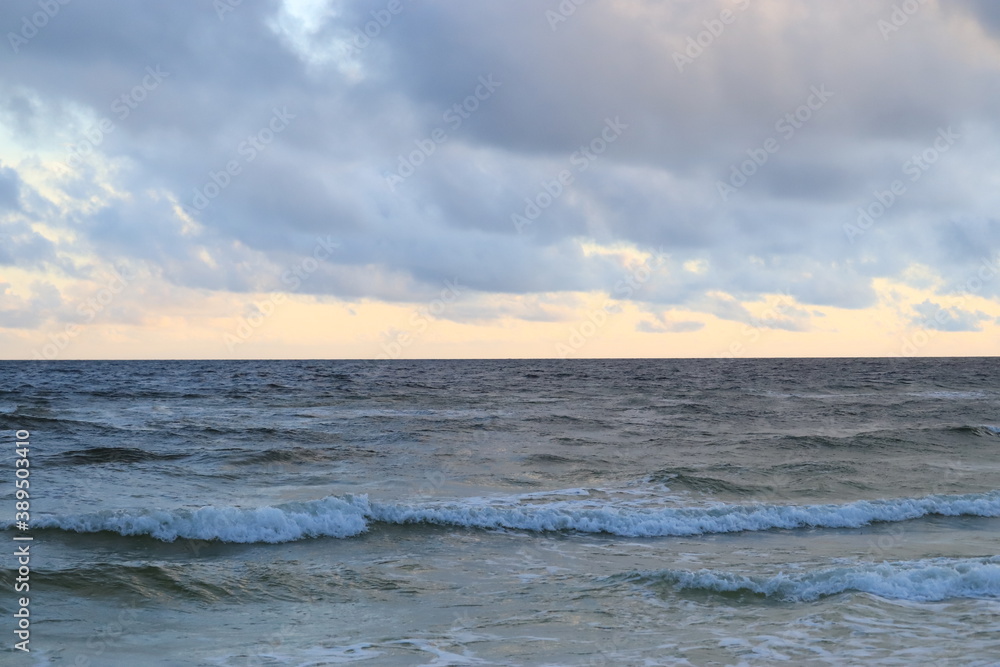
(504,512)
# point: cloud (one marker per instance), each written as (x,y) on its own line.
(985,13)
(19,244)
(931,315)
(17,312)
(683,326)
(10,189)
(360,107)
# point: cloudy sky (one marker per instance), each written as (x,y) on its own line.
(525,178)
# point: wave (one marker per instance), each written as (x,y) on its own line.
(211,581)
(686,479)
(98,455)
(20,420)
(120,580)
(628,521)
(544,459)
(920,581)
(329,517)
(301,455)
(348,515)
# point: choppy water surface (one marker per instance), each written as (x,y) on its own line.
(619,512)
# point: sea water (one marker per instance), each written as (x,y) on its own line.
(532,512)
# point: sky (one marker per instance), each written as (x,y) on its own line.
(528,178)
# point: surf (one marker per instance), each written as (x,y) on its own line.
(351,515)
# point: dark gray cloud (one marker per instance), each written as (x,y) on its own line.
(353,116)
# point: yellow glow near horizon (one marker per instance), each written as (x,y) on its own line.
(195,325)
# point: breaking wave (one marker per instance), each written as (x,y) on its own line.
(346,516)
(921,581)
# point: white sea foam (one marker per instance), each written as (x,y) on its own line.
(920,581)
(347,516)
(591,517)
(329,517)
